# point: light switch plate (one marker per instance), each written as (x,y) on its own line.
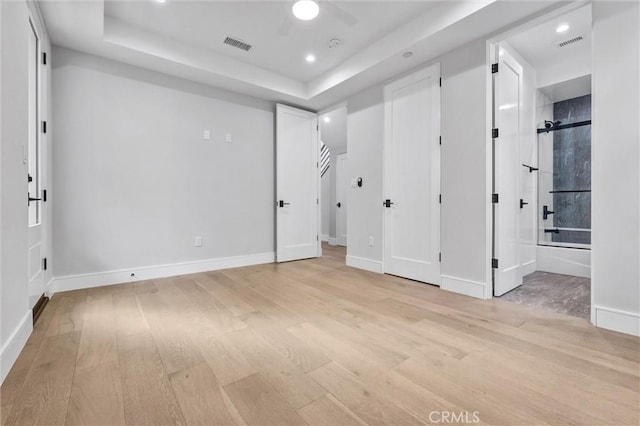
(207,135)
(229,138)
(354,182)
(198,241)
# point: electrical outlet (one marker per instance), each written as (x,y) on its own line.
(370,240)
(198,241)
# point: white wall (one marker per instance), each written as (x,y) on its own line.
(365,122)
(615,172)
(464,172)
(15,312)
(135,182)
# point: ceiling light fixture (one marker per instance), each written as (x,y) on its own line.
(407,54)
(305,10)
(562,28)
(327,119)
(310,58)
(161,1)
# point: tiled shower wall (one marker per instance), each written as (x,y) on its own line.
(572,170)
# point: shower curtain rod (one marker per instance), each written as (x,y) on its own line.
(565,126)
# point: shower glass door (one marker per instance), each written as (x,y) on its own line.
(564,159)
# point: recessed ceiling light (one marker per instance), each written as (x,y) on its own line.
(407,54)
(305,10)
(327,119)
(310,58)
(161,1)
(562,28)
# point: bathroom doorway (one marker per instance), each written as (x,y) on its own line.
(542,165)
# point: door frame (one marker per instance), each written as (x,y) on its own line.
(384,166)
(42,161)
(490,53)
(340,156)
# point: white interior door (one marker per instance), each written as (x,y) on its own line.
(297,184)
(412,176)
(34,164)
(507,88)
(342,188)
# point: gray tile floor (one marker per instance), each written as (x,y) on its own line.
(565,294)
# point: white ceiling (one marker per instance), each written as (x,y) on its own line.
(568,89)
(210,22)
(184,39)
(539,46)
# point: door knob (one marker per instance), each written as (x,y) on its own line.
(522,203)
(546,212)
(282,203)
(339,205)
(387,203)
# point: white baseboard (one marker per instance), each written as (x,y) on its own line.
(76,282)
(48,288)
(366,264)
(566,261)
(332,241)
(324,237)
(529,267)
(463,286)
(13,346)
(616,320)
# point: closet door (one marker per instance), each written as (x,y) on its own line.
(412,176)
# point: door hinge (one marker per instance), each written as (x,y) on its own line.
(494,198)
(440,81)
(440,198)
(494,68)
(494,133)
(440,257)
(44,195)
(44,127)
(494,263)
(44,264)
(44,58)
(317,237)
(317,200)
(317,165)
(317,127)
(440,140)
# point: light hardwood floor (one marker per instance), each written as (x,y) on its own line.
(313,342)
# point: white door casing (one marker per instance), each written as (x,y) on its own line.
(342,189)
(507,86)
(297,184)
(412,176)
(35,171)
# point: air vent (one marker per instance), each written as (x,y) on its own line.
(231,41)
(571,41)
